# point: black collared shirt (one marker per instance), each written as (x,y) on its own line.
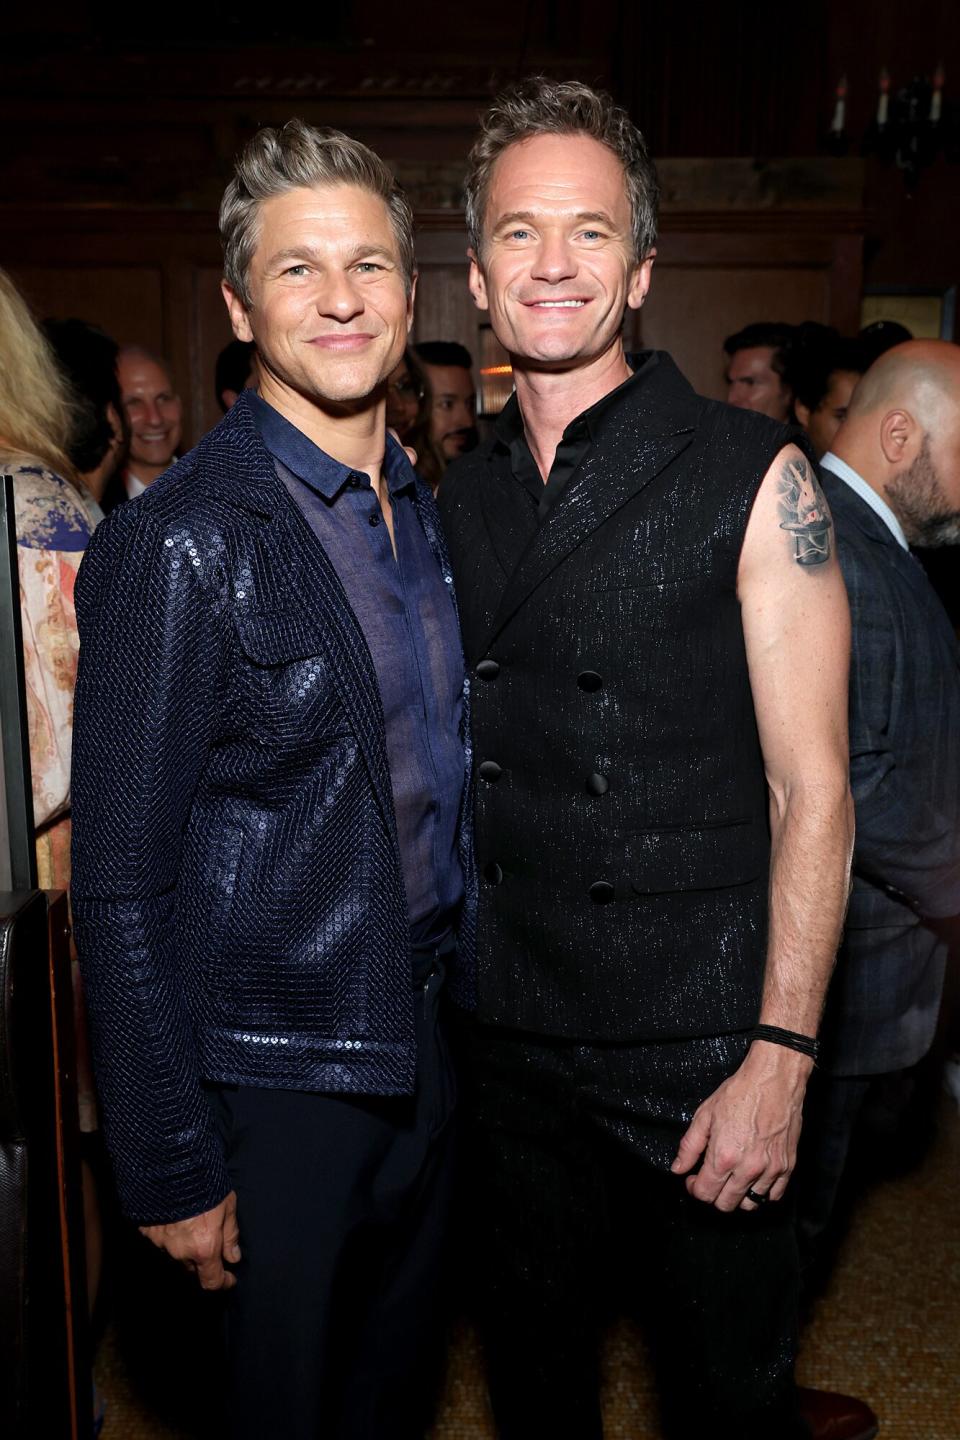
(574,444)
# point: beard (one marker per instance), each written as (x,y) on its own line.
(921,505)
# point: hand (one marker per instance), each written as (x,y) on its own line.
(204,1243)
(747,1130)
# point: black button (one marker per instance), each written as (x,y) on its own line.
(589,680)
(489,770)
(375,518)
(601,892)
(492,873)
(354,482)
(597,784)
(488,670)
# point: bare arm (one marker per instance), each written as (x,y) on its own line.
(797,630)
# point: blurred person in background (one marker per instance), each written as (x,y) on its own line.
(824,372)
(53,528)
(892,479)
(882,335)
(99,437)
(758,361)
(236,371)
(449,369)
(155,416)
(409,410)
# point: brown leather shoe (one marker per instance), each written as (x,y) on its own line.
(836,1417)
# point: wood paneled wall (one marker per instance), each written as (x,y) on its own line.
(153,276)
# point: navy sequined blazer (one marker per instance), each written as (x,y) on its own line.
(237,890)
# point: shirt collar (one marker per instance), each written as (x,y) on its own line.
(509,423)
(314,466)
(867,493)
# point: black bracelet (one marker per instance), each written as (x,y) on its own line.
(806,1044)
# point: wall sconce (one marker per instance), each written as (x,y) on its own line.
(909,127)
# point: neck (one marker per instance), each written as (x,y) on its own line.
(550,399)
(354,433)
(146,474)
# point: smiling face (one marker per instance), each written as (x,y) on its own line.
(557,269)
(329,310)
(153,411)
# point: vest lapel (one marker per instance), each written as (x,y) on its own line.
(627,458)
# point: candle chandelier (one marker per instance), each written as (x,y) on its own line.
(908,127)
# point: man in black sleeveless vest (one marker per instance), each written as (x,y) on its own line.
(659,637)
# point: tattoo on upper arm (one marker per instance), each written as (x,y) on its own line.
(804,513)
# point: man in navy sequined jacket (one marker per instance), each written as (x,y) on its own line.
(272,869)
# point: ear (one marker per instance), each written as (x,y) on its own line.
(900,437)
(239,318)
(476,282)
(803,413)
(410,299)
(640,281)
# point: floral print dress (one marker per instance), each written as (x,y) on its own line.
(53,528)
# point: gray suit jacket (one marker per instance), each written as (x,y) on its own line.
(905,774)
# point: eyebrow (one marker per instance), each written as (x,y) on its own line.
(529,217)
(310,252)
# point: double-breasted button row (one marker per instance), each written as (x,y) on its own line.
(588,680)
(601,892)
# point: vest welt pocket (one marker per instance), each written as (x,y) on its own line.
(704,857)
(608,583)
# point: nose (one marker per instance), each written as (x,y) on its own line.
(152,414)
(340,297)
(555,260)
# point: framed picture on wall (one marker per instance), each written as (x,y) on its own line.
(929,313)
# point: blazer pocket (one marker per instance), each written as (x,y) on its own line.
(711,857)
(274,639)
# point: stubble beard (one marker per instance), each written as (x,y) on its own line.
(921,505)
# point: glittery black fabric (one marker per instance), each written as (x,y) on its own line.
(623,846)
(237,889)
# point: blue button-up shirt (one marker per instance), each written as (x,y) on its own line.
(406,613)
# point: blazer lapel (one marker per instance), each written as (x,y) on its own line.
(246,476)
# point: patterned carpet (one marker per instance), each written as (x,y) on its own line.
(887,1329)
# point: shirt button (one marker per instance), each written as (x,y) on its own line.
(597,784)
(375,518)
(490,771)
(492,873)
(601,892)
(488,670)
(589,680)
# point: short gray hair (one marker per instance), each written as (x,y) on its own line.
(538,106)
(301,155)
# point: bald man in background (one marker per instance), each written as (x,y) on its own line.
(892,478)
(155,415)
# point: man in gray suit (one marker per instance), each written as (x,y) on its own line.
(892,478)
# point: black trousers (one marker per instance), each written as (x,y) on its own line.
(576,1218)
(334,1330)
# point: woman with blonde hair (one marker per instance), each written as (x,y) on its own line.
(53,528)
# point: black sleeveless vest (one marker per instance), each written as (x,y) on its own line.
(622,830)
